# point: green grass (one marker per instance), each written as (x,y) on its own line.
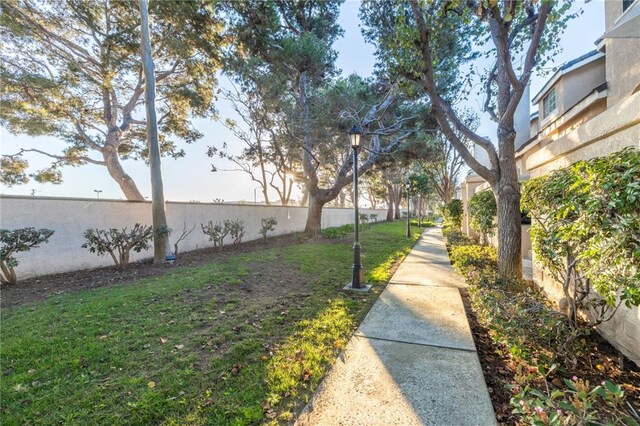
(200,345)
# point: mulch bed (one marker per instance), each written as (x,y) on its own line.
(40,288)
(500,371)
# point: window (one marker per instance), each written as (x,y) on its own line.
(626,4)
(549,103)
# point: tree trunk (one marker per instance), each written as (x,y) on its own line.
(314,216)
(127,185)
(509,227)
(161,234)
(396,201)
(390,203)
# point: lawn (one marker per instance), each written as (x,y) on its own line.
(241,341)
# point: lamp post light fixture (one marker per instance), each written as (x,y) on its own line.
(357,277)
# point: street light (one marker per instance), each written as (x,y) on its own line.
(408,184)
(97,191)
(357,277)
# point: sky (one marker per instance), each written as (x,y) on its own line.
(190,178)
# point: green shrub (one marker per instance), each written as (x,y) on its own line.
(17,241)
(452,212)
(216,232)
(465,257)
(118,242)
(457,238)
(585,231)
(268,224)
(482,214)
(337,231)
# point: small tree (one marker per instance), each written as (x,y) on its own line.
(118,243)
(482,214)
(216,232)
(16,241)
(268,224)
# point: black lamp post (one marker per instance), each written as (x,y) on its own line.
(408,209)
(357,278)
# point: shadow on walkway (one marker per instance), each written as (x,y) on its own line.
(412,361)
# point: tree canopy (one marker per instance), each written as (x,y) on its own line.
(72,69)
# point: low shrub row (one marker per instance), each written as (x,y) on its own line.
(540,342)
(117,243)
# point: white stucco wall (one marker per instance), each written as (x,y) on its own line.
(69,218)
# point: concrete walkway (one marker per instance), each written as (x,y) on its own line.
(412,361)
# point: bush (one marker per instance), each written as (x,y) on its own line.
(236,230)
(268,224)
(585,232)
(482,214)
(216,232)
(525,327)
(452,212)
(337,231)
(466,257)
(457,238)
(17,241)
(118,243)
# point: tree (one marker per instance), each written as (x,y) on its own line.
(18,241)
(289,44)
(72,69)
(267,157)
(443,168)
(424,38)
(159,216)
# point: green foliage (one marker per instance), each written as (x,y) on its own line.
(72,70)
(236,230)
(465,257)
(13,171)
(267,225)
(452,212)
(18,241)
(586,230)
(525,327)
(456,238)
(334,232)
(482,213)
(216,232)
(118,242)
(576,404)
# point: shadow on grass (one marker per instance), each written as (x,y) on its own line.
(224,343)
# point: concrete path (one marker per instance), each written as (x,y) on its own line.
(412,361)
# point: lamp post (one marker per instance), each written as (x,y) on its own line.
(97,191)
(357,277)
(408,186)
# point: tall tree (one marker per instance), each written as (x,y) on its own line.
(159,217)
(72,69)
(290,42)
(424,37)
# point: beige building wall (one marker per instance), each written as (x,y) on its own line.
(623,68)
(571,88)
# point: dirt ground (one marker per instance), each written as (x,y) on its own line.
(40,288)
